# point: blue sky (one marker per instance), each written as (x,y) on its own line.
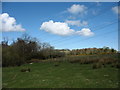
(67,25)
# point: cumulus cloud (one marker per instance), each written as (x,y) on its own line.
(116,10)
(77,9)
(85,32)
(9,23)
(61,28)
(76,22)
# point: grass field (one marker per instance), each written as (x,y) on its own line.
(66,75)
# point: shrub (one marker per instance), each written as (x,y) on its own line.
(117,65)
(97,65)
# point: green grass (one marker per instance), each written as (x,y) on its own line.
(66,75)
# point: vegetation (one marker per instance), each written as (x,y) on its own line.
(24,49)
(66,75)
(96,60)
(89,51)
(42,66)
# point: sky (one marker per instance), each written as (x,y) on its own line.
(64,25)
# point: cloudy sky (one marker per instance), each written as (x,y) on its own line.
(66,25)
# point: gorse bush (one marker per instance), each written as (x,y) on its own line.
(92,51)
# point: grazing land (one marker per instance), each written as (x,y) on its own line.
(56,74)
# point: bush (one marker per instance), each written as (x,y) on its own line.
(117,65)
(97,65)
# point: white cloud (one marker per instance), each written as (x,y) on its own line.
(76,22)
(9,23)
(59,28)
(77,9)
(85,32)
(116,10)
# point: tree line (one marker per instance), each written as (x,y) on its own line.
(26,48)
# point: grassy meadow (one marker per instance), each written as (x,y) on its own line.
(67,72)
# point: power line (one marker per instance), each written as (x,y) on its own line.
(91,6)
(100,35)
(105,10)
(95,37)
(73,36)
(94,30)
